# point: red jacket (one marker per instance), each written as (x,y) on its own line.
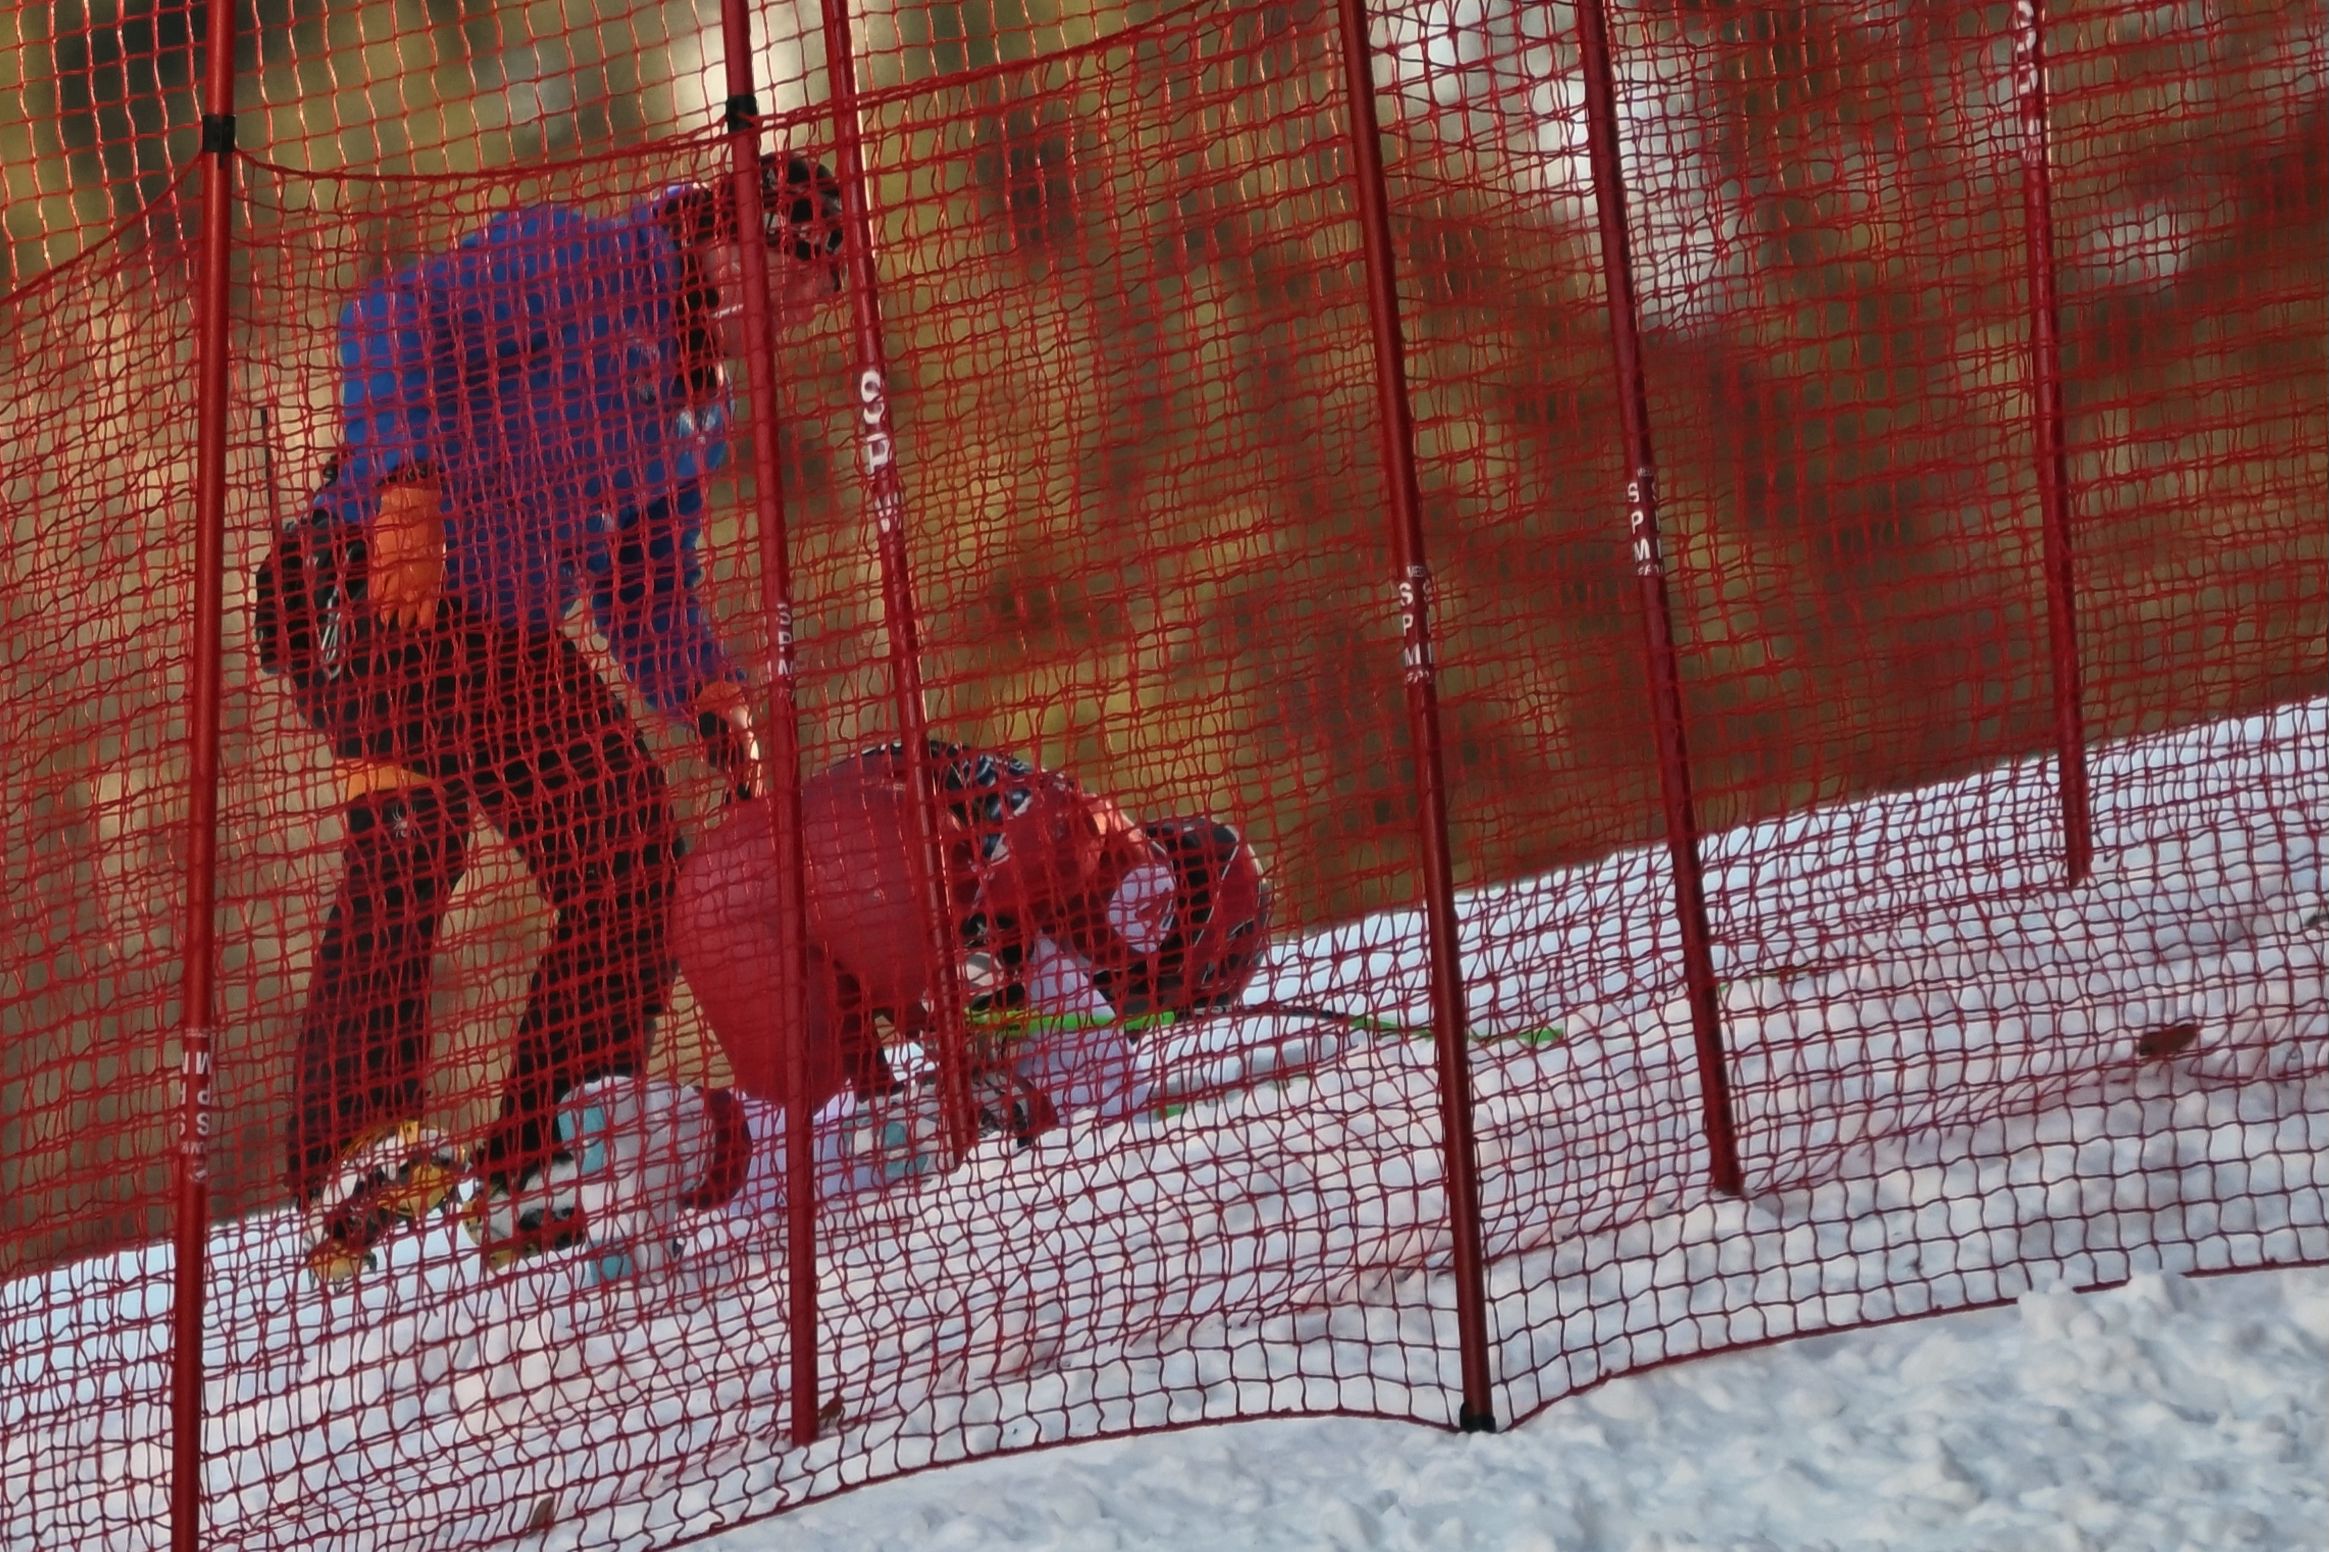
(1028,854)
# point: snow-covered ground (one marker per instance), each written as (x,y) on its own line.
(1957,1082)
(2165,1415)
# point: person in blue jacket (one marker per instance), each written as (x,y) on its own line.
(528,421)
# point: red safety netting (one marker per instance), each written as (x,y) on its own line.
(1980,846)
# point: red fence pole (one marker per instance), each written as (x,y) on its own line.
(885,493)
(780,743)
(1450,1018)
(2046,423)
(1641,495)
(190,1230)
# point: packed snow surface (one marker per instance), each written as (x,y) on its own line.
(1959,1083)
(2166,1414)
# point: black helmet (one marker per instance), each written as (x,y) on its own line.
(1203,933)
(800,210)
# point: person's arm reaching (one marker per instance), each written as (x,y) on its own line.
(644,593)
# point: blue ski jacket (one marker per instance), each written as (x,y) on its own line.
(536,370)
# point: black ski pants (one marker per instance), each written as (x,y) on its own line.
(491,720)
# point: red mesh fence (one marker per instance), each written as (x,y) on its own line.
(653,1089)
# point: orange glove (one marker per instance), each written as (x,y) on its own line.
(404,548)
(723,716)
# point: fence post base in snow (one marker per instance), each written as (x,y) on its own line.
(1641,496)
(198,994)
(1395,427)
(2047,436)
(780,742)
